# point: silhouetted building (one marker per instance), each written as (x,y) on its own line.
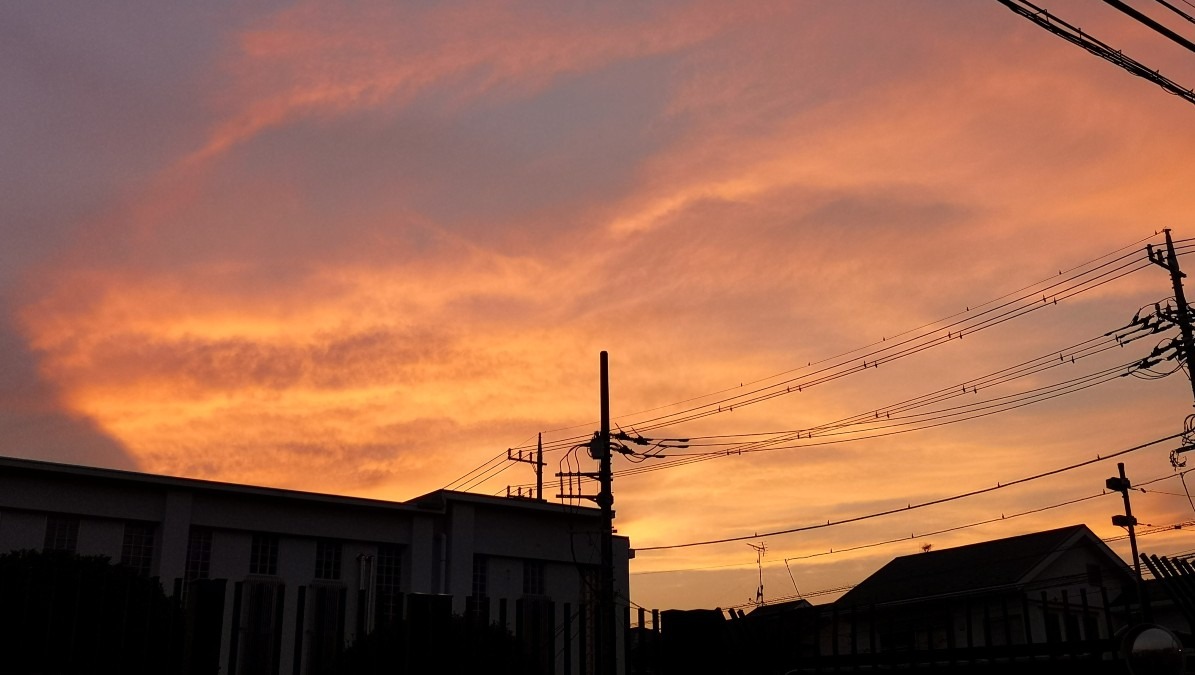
(1051,586)
(280,581)
(1045,602)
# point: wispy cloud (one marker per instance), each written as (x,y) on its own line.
(382,242)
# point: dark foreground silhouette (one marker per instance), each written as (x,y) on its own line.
(64,613)
(447,645)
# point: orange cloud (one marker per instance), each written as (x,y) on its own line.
(306,301)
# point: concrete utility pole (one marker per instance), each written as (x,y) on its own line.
(538,460)
(1183,313)
(1122,485)
(607,627)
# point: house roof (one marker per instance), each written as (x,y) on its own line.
(986,566)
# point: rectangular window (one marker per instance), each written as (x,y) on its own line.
(388,576)
(480,576)
(327,559)
(263,556)
(62,533)
(199,553)
(533,577)
(137,551)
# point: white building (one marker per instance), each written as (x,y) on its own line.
(287,578)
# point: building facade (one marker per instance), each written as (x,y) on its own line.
(284,580)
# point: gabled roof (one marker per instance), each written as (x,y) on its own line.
(975,568)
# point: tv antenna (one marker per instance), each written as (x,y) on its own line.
(760,550)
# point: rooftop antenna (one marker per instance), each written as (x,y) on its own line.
(790,576)
(760,550)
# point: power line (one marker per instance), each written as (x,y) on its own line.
(1110,267)
(1043,294)
(1077,37)
(1141,326)
(810,594)
(970,412)
(487,475)
(1154,530)
(879,419)
(1021,294)
(921,535)
(734,452)
(911,506)
(1055,580)
(479,467)
(885,419)
(1176,10)
(885,355)
(1151,23)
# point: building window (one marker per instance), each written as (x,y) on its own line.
(481,577)
(62,533)
(533,577)
(199,554)
(263,556)
(327,559)
(388,575)
(137,551)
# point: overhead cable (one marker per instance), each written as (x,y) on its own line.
(911,506)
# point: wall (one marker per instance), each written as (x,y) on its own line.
(438,542)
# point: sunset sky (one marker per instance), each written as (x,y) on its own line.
(364,248)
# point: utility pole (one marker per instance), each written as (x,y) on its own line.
(607,629)
(600,448)
(1122,485)
(538,460)
(1182,317)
